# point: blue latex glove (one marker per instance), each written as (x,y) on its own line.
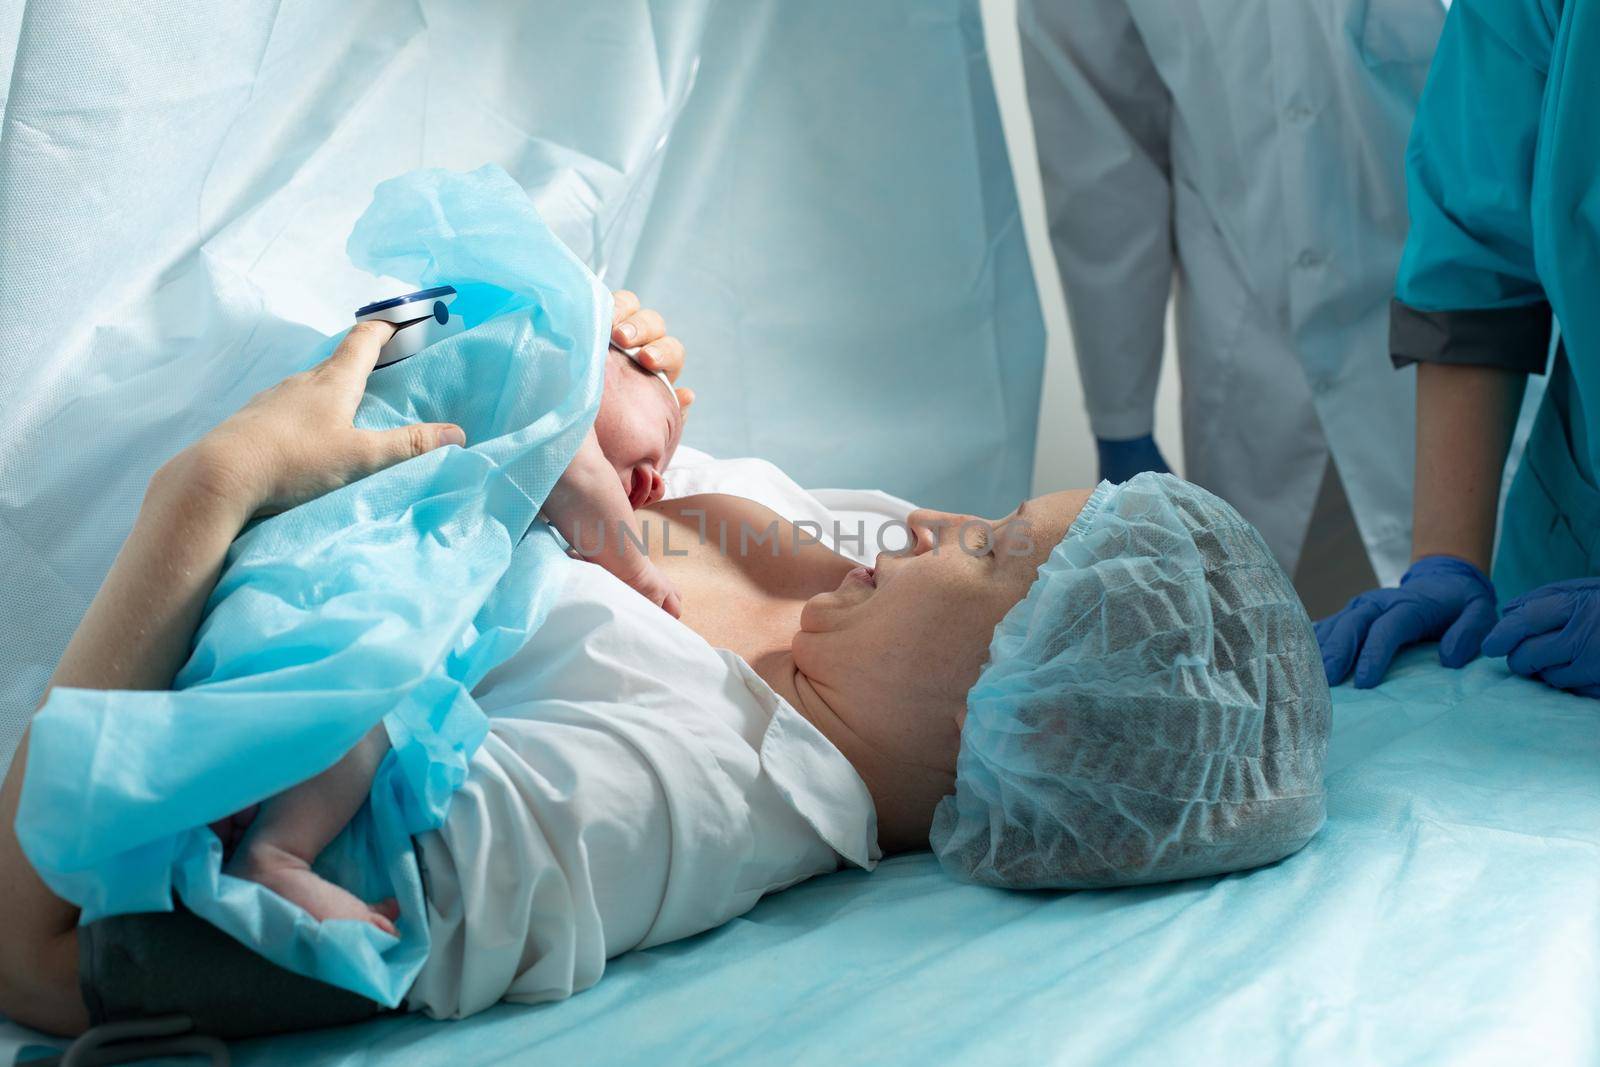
(1441,598)
(1553,633)
(1121,460)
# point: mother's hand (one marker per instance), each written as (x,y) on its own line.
(289,444)
(635,327)
(295,441)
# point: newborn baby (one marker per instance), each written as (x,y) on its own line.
(616,470)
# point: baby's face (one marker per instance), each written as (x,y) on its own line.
(638,427)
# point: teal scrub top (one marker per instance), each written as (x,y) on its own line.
(1503,184)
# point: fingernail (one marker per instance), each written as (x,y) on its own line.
(453,435)
(628,331)
(649,354)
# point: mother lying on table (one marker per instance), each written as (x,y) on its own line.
(1102,688)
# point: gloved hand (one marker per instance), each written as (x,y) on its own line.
(1554,633)
(1440,598)
(1121,460)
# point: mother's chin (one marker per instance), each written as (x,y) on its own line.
(890,655)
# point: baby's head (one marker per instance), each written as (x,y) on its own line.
(638,427)
(1124,684)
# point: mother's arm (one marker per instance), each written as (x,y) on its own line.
(289,444)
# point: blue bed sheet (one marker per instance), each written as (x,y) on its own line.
(1448,913)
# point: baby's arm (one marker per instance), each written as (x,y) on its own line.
(590,508)
(295,826)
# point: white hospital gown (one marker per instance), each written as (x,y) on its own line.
(637,786)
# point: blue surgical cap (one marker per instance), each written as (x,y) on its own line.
(1154,709)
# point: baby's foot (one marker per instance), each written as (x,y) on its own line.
(292,878)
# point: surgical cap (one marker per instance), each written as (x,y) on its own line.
(1154,709)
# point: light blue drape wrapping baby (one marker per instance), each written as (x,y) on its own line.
(388,599)
(1154,709)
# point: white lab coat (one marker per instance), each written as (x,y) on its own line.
(1253,150)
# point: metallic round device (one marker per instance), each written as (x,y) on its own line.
(420,319)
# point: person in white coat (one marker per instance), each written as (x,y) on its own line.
(1253,152)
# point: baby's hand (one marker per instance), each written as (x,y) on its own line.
(591,509)
(654,586)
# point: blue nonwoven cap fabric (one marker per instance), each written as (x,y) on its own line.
(385,600)
(1154,709)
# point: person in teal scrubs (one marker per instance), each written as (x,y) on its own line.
(1503,185)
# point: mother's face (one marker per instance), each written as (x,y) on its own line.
(910,635)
